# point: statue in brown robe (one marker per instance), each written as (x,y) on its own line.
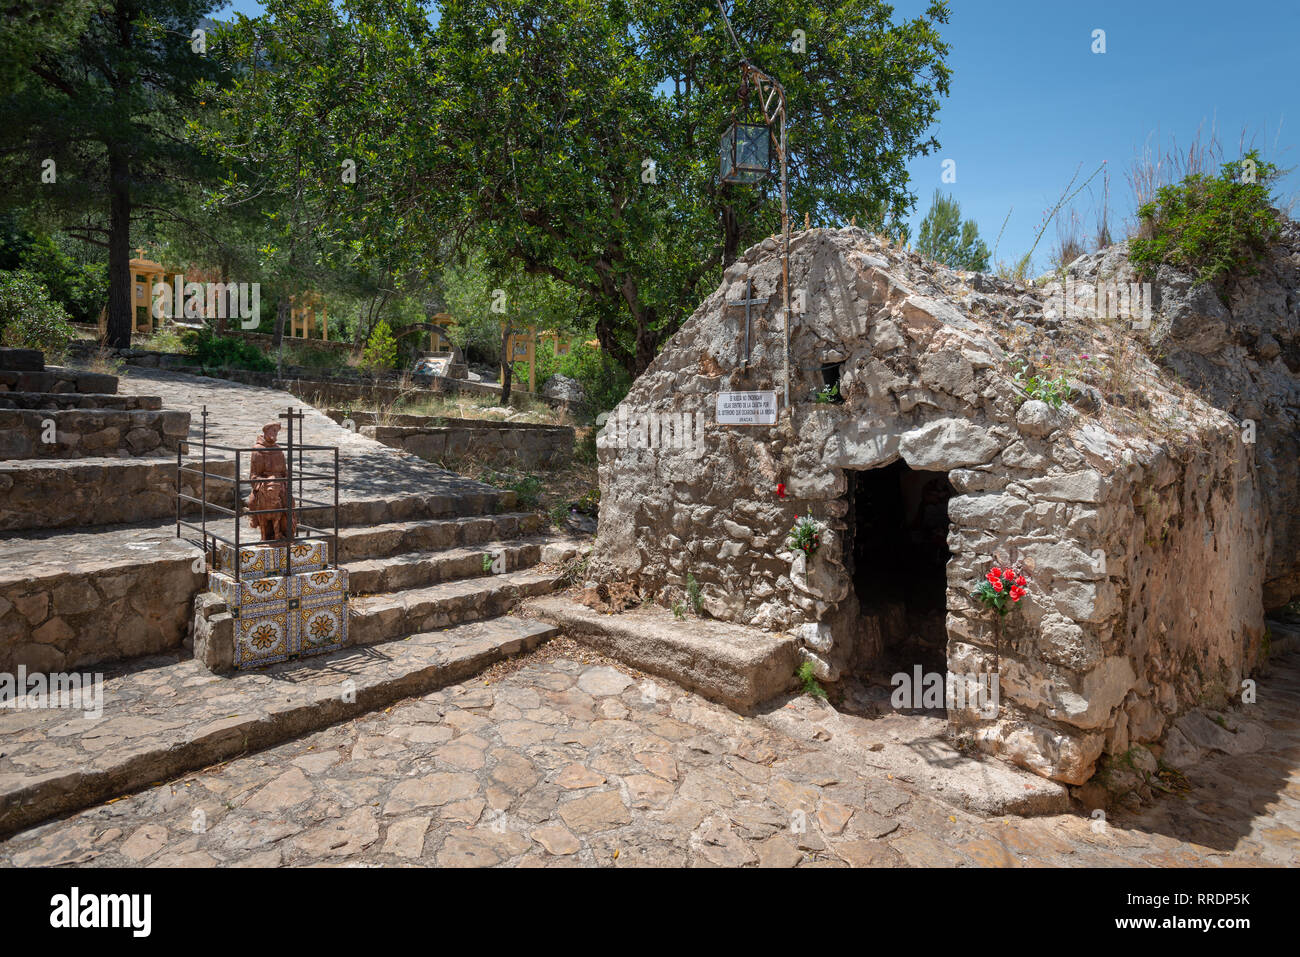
(268,462)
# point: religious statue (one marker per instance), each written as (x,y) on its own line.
(268,463)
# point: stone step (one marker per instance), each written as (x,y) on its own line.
(734,665)
(78,493)
(413,508)
(373,576)
(381,617)
(86,492)
(162,720)
(399,537)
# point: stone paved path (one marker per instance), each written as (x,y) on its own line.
(237,412)
(561,759)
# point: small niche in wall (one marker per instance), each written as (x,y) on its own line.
(830,390)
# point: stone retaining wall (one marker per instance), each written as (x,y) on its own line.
(71,494)
(82,433)
(500,446)
(448,440)
(99,614)
(78,400)
(57,379)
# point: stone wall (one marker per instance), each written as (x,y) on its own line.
(77,400)
(56,379)
(99,613)
(1097,655)
(80,433)
(451,441)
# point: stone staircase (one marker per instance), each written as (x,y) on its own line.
(73,452)
(436,565)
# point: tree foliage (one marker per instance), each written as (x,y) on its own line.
(946,239)
(103,98)
(575,140)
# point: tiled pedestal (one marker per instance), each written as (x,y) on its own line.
(268,616)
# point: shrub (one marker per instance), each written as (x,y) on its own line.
(1216,227)
(30,318)
(807,678)
(695,594)
(228,352)
(604,381)
(380,353)
(316,357)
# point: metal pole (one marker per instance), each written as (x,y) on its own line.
(785,253)
(336,507)
(288,512)
(238,499)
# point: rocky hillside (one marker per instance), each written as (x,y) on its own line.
(1238,345)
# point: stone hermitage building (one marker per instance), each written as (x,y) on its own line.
(1155,511)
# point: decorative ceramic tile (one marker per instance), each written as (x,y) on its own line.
(327,585)
(261,561)
(255,561)
(307,556)
(248,595)
(323,627)
(264,637)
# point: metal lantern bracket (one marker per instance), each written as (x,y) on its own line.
(771,97)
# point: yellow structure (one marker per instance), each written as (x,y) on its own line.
(522,346)
(304,310)
(145,273)
(438,342)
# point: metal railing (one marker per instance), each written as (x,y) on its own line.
(296,470)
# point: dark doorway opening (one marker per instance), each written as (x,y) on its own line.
(899,528)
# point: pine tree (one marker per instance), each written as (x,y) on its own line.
(107,103)
(946,239)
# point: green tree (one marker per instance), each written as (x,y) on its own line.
(946,239)
(106,105)
(595,132)
(578,140)
(380,353)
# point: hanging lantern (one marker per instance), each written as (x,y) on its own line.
(746,153)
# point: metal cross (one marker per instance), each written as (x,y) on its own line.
(748,301)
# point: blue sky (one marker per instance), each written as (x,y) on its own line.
(1031,103)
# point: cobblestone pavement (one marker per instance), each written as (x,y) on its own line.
(561,759)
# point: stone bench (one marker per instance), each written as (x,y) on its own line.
(89,433)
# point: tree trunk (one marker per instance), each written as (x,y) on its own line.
(121,305)
(507,371)
(730,234)
(223,324)
(277,335)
